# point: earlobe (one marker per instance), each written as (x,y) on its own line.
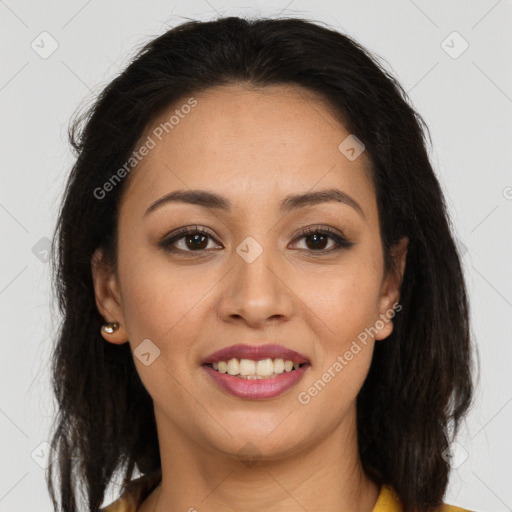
(113,333)
(108,299)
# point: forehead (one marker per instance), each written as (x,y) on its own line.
(259,142)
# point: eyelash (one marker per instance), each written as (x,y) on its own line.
(340,240)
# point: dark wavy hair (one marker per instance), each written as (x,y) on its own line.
(419,385)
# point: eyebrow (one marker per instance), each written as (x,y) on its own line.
(291,202)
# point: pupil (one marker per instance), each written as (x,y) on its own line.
(195,238)
(316,237)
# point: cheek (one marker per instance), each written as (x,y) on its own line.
(349,301)
(347,310)
(331,391)
(163,308)
(344,340)
(160,304)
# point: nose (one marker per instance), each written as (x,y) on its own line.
(257,292)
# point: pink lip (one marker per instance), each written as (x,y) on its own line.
(256,353)
(257,389)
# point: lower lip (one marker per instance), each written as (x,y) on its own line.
(257,389)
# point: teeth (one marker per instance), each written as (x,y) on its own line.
(278,366)
(249,369)
(265,367)
(233,367)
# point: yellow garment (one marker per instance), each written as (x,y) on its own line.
(140,488)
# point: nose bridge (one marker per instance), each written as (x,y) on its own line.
(255,260)
(256,289)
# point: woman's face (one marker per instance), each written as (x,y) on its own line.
(252,278)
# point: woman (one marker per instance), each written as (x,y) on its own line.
(263,305)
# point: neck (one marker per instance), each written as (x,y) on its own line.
(325,476)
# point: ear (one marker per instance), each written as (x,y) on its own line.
(390,290)
(108,298)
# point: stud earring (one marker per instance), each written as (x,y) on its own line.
(110,327)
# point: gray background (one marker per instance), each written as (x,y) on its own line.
(464,96)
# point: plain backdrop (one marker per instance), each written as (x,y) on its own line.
(453,58)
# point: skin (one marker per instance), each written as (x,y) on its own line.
(254,147)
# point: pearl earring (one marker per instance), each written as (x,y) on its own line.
(110,327)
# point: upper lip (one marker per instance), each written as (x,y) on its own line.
(256,353)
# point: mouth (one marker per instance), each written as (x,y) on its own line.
(256,372)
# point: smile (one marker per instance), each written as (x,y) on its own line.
(253,370)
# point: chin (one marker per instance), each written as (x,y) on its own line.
(252,444)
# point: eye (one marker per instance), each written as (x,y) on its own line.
(195,239)
(319,237)
(187,239)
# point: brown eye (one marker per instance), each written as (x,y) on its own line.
(196,241)
(318,241)
(318,238)
(189,239)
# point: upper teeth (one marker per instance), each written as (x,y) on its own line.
(248,367)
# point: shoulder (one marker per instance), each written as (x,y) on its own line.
(388,501)
(134,493)
(453,508)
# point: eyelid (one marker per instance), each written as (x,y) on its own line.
(186,230)
(321,229)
